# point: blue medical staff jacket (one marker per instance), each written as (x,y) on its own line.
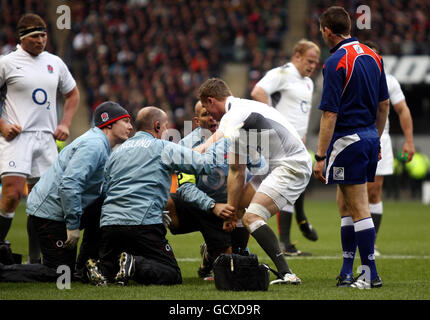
(138,178)
(73,181)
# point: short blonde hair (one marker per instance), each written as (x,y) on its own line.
(304,45)
(215,88)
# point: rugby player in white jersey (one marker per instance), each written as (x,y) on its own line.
(256,128)
(29,80)
(385,165)
(289,89)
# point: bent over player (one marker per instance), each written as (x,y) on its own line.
(256,128)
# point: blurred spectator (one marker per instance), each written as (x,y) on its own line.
(82,41)
(144,52)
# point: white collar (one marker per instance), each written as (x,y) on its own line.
(21,50)
(296,71)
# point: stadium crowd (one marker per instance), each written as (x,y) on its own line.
(399,27)
(159,53)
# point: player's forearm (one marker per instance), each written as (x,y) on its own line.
(405,120)
(70,107)
(212,139)
(9,131)
(327,125)
(381,115)
(259,94)
(2,125)
(235,183)
(407,128)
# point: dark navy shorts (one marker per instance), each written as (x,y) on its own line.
(352,157)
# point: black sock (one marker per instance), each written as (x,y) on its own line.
(284,224)
(377,218)
(5,224)
(300,211)
(239,239)
(267,240)
(33,243)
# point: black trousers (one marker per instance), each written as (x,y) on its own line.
(155,260)
(90,222)
(52,236)
(192,219)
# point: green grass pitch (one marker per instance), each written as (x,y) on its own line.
(404,242)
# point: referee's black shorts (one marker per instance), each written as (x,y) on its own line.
(192,219)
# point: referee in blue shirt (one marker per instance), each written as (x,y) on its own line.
(355,107)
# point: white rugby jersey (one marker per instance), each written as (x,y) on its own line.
(290,94)
(261,129)
(396,95)
(31,85)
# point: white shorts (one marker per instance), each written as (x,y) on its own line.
(283,185)
(31,153)
(385,165)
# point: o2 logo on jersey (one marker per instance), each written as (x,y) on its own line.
(40,97)
(304,106)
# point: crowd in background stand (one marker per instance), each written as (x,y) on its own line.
(141,52)
(159,52)
(400,27)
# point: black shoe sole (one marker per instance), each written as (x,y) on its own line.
(376,285)
(296,254)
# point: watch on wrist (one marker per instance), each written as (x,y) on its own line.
(212,206)
(319,158)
